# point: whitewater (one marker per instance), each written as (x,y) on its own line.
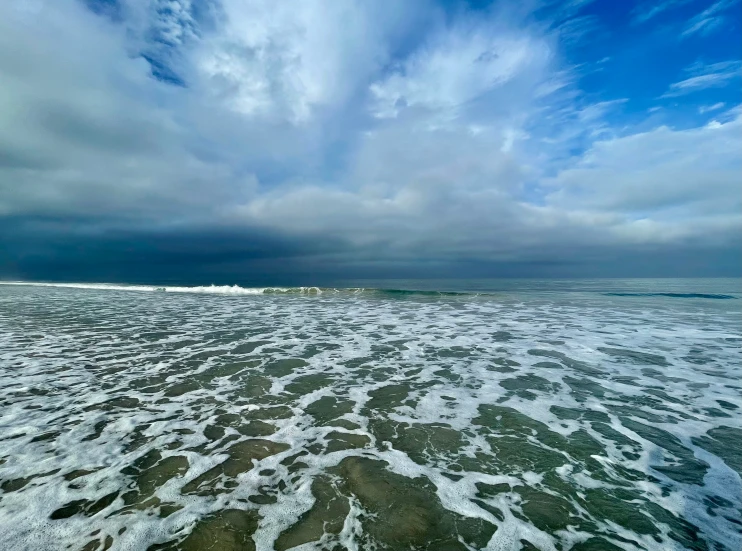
(591,415)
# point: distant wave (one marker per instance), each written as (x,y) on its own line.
(236,290)
(671,295)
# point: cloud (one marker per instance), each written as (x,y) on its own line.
(459,65)
(80,126)
(709,19)
(708,108)
(463,203)
(220,137)
(674,189)
(714,75)
(289,61)
(649,10)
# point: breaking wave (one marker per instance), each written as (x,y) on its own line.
(236,290)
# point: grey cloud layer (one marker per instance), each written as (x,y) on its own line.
(334,134)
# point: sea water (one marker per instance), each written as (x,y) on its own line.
(586,415)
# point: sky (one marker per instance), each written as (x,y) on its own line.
(277,141)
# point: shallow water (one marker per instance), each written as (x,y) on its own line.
(590,417)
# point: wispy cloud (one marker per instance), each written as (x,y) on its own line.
(458,66)
(709,19)
(649,10)
(576,29)
(714,75)
(708,108)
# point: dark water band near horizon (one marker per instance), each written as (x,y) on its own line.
(448,415)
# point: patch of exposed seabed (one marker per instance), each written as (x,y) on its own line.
(177,422)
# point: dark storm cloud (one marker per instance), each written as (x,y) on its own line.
(70,249)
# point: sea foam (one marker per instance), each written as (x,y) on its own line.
(157,413)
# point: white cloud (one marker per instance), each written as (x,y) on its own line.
(672,176)
(166,21)
(649,10)
(574,30)
(459,65)
(709,19)
(714,75)
(288,60)
(708,108)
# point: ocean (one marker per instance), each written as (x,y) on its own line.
(443,415)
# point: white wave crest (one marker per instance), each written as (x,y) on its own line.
(202,289)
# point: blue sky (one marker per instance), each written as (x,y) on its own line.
(650,46)
(218,138)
